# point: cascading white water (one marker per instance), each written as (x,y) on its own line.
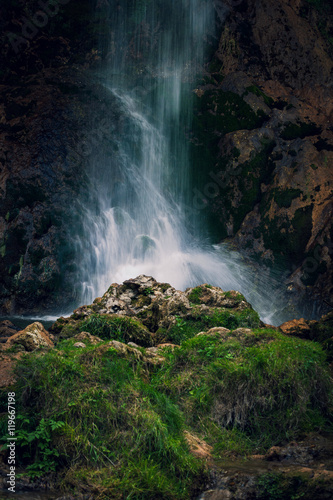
(140,226)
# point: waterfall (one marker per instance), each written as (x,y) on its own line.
(140,224)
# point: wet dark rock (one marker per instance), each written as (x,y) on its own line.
(303,468)
(43,184)
(265,135)
(294,453)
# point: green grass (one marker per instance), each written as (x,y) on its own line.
(105,326)
(116,327)
(238,298)
(322,332)
(186,328)
(116,427)
(320,4)
(264,385)
(88,409)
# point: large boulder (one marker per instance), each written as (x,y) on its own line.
(159,304)
(31,338)
(297,327)
(143,311)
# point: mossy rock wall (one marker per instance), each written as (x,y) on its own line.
(261,142)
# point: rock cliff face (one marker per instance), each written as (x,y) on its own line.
(50,128)
(261,141)
(56,125)
(266,107)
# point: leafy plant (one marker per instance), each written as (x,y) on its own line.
(38,441)
(116,423)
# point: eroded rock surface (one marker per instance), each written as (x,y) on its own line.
(33,337)
(264,129)
(261,135)
(155,307)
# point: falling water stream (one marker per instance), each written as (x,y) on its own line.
(142,224)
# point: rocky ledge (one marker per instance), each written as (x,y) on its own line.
(158,309)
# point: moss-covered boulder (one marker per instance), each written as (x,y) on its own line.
(147,312)
(106,327)
(319,331)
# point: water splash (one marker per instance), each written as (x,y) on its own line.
(140,226)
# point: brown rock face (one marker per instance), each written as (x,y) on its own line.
(198,447)
(268,109)
(32,337)
(300,328)
(7,365)
(292,52)
(7,329)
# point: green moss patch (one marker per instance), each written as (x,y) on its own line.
(279,486)
(195,295)
(299,130)
(253,89)
(285,238)
(104,421)
(224,112)
(95,417)
(107,327)
(284,197)
(119,328)
(262,385)
(186,328)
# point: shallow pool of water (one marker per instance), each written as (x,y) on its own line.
(23,321)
